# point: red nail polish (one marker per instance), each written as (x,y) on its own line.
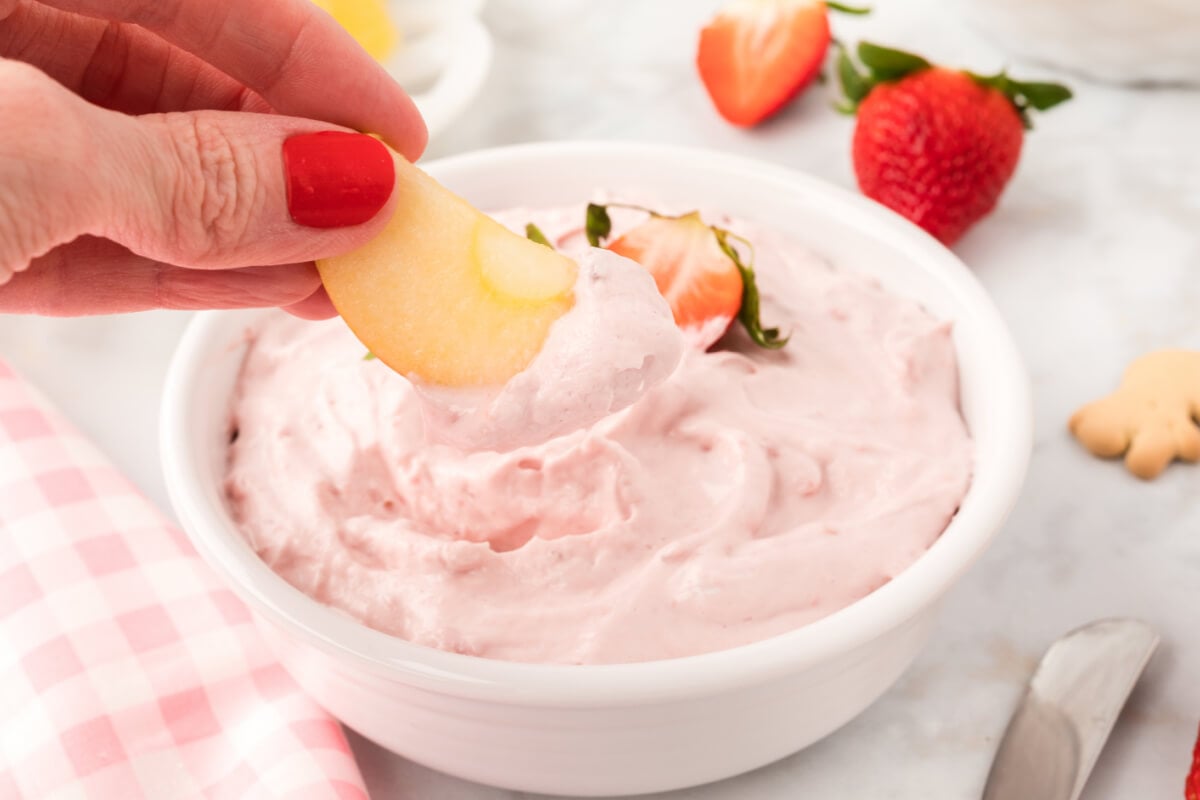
(336,179)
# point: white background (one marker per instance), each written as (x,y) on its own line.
(1093,257)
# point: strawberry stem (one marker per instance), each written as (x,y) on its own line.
(845,9)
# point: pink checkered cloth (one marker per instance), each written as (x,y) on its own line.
(126,670)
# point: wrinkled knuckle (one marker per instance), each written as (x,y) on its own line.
(39,132)
(212,200)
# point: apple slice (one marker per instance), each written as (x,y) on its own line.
(445,293)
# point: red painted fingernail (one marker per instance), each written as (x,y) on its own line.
(336,179)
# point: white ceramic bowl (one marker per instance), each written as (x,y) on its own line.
(631,728)
(444,59)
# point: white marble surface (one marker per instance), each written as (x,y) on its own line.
(1094,257)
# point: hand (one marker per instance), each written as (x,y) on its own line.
(146,160)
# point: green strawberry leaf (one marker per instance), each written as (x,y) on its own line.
(748,314)
(1025,96)
(534,234)
(598,225)
(1001,82)
(1043,96)
(845,9)
(887,64)
(855,85)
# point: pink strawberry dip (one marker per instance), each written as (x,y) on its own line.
(735,496)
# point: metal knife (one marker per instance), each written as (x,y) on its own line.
(1068,710)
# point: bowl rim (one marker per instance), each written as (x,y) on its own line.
(983,512)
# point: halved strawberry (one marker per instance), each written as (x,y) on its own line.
(755,55)
(699,281)
(696,268)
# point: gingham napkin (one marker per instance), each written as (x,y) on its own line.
(126,670)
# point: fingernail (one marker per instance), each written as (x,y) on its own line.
(336,179)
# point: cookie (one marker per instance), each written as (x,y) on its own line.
(1151,417)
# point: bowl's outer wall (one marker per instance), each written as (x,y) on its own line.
(613,751)
(663,727)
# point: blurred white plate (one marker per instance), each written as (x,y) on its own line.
(1122,41)
(444,59)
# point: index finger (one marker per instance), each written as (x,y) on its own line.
(288,51)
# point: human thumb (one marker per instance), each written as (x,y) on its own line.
(203,189)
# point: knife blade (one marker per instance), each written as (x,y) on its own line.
(1068,710)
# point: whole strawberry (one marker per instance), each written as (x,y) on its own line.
(937,145)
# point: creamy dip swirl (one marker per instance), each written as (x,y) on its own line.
(618,340)
(739,496)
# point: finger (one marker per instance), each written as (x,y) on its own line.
(1149,453)
(204,189)
(95,276)
(316,306)
(118,65)
(288,51)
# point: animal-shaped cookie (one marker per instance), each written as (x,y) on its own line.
(1151,417)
